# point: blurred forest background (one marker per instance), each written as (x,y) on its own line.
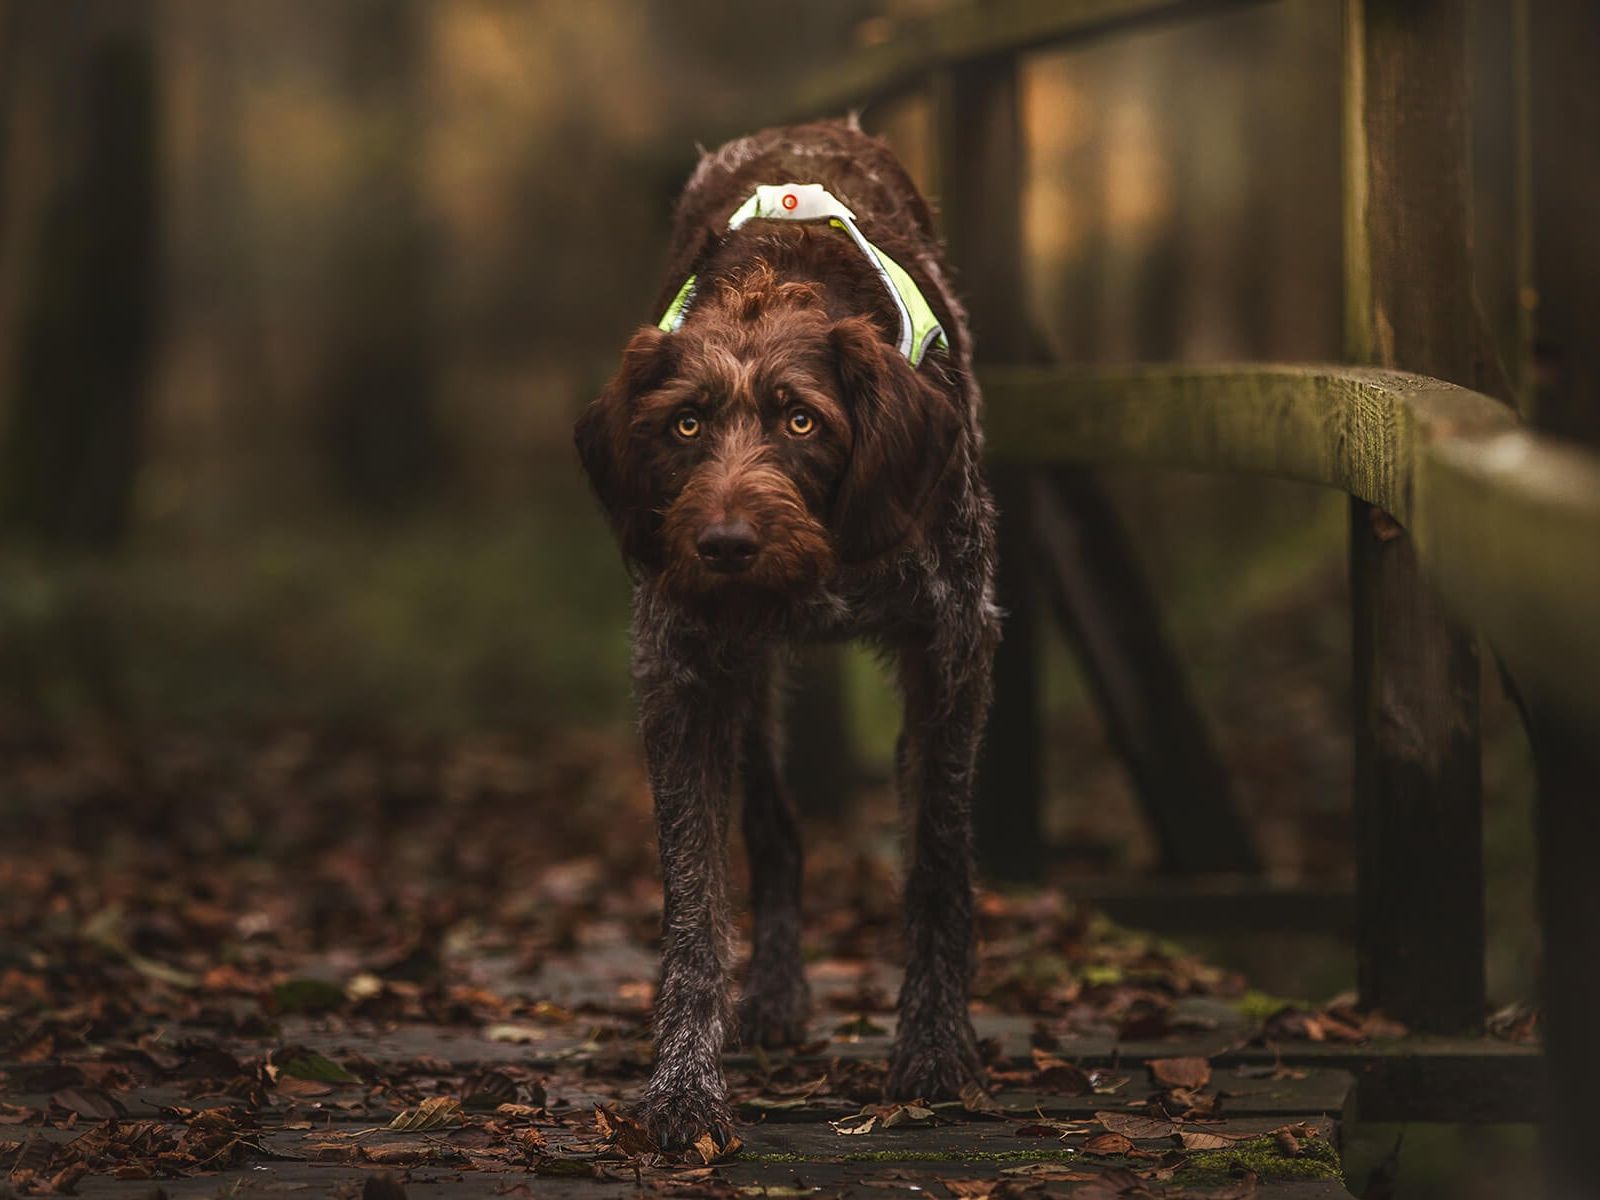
(298,302)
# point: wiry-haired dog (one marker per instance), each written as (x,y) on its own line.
(792,454)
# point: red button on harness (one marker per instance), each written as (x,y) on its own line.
(791,201)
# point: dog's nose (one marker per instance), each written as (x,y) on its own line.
(729,546)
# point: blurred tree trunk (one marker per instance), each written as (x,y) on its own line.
(77,387)
(377,375)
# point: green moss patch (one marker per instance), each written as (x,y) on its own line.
(911,1154)
(1317,1160)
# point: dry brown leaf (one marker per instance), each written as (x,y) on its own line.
(899,1114)
(971,1189)
(1190,1073)
(1205,1139)
(1058,1075)
(975,1100)
(1049,1172)
(856,1123)
(404,1154)
(437,1112)
(708,1150)
(518,1111)
(1136,1127)
(93,1103)
(1108,1144)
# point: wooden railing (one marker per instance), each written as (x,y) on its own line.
(1462,522)
(1507,523)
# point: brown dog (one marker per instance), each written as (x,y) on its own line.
(792,454)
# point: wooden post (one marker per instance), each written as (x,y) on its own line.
(1563,255)
(979,180)
(1418,806)
(1568,829)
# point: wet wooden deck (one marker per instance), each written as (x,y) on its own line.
(1275,1132)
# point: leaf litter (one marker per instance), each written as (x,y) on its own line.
(263,909)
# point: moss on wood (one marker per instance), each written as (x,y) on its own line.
(1317,1160)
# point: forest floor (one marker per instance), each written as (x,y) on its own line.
(351,967)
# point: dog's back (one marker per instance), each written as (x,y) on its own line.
(859,169)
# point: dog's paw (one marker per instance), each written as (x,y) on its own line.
(934,1063)
(677,1119)
(774,1010)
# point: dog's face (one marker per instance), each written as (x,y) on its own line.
(764,443)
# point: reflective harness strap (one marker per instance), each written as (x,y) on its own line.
(919,328)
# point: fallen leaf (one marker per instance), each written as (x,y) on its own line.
(488,1090)
(1049,1172)
(93,1103)
(1133,1126)
(625,1133)
(437,1112)
(307,1064)
(1204,1139)
(307,1088)
(976,1100)
(901,1113)
(1058,1075)
(1108,1144)
(973,1189)
(1190,1073)
(855,1124)
(518,1111)
(406,1154)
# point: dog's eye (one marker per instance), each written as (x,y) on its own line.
(687,425)
(801,422)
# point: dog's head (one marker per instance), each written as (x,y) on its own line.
(763,443)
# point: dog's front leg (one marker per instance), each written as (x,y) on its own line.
(690,718)
(946,690)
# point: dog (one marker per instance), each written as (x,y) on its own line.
(792,454)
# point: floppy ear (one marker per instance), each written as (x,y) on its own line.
(609,448)
(906,431)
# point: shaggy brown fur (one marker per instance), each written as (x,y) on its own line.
(776,472)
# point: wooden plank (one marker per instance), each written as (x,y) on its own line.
(1505,520)
(1408,280)
(979,168)
(1225,904)
(964,33)
(1460,1080)
(1103,601)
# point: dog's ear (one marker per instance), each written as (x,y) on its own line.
(906,431)
(609,448)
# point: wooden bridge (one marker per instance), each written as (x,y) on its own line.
(1467,531)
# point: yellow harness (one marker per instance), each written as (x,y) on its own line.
(919,328)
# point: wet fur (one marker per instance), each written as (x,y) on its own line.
(879,527)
